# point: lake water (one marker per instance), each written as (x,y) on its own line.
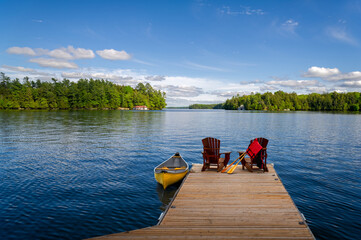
(80,174)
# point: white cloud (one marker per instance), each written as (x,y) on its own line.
(41,51)
(58,56)
(321,72)
(297,84)
(77,75)
(21,72)
(155,78)
(69,53)
(81,53)
(301,86)
(116,77)
(21,50)
(182,91)
(352,76)
(18,69)
(328,75)
(61,53)
(320,89)
(229,94)
(250,11)
(112,54)
(244,10)
(352,84)
(257,81)
(268,88)
(289,26)
(200,90)
(332,74)
(340,34)
(54,63)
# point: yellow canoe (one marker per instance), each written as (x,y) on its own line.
(171,171)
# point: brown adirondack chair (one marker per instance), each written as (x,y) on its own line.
(260,160)
(212,156)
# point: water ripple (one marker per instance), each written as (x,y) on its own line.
(74,175)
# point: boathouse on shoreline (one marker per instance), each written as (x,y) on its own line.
(140,108)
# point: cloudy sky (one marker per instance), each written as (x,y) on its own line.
(196,51)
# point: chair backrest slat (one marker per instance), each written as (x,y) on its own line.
(211,147)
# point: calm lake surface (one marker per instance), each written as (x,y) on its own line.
(80,174)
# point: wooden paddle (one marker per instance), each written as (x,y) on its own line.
(225,169)
(235,166)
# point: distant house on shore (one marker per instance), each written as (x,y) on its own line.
(140,108)
(241,107)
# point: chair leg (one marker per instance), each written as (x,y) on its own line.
(265,165)
(204,167)
(249,166)
(220,164)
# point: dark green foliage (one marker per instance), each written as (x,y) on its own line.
(84,94)
(291,101)
(206,106)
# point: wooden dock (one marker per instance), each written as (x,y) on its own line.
(242,205)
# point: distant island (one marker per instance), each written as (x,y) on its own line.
(206,106)
(177,107)
(83,94)
(281,101)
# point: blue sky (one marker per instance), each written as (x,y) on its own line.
(196,51)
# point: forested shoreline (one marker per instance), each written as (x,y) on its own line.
(291,101)
(280,101)
(103,94)
(206,106)
(82,94)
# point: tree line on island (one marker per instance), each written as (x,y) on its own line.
(280,101)
(83,94)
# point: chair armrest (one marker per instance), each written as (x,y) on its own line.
(241,152)
(227,156)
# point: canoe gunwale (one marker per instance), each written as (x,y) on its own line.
(170,171)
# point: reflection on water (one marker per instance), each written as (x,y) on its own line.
(80,174)
(166,195)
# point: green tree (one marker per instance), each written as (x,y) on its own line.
(92,93)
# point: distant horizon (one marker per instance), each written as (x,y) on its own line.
(197,51)
(201,103)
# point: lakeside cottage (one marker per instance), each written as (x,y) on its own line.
(241,107)
(140,108)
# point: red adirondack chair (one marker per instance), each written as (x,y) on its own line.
(259,159)
(212,155)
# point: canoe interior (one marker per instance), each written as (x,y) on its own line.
(172,164)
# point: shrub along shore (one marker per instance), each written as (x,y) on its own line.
(83,94)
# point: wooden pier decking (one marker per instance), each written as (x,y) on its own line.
(242,205)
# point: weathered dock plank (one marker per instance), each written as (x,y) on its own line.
(241,205)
